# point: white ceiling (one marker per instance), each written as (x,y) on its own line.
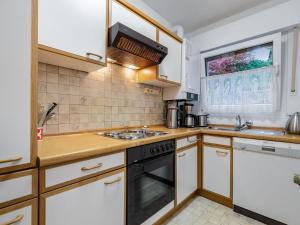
(196,14)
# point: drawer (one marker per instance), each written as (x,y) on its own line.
(226,141)
(17,187)
(186,141)
(24,213)
(54,177)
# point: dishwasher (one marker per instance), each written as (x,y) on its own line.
(266,180)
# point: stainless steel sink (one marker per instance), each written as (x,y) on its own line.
(249,131)
(263,132)
(224,128)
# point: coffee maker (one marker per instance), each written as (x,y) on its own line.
(173,113)
(187,119)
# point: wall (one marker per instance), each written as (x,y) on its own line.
(103,99)
(141,5)
(281,17)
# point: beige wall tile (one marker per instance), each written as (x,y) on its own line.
(52,69)
(103,99)
(52,78)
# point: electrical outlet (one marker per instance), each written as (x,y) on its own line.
(151,91)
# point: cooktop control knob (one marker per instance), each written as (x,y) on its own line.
(151,150)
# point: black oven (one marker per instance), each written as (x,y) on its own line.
(150,180)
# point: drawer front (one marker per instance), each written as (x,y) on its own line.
(217,140)
(17,187)
(24,213)
(66,173)
(216,170)
(183,142)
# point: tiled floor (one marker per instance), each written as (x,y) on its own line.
(202,211)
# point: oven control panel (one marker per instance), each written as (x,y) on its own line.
(151,150)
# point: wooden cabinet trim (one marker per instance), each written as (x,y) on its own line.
(70,55)
(225,147)
(216,198)
(33,100)
(43,197)
(34,192)
(34,209)
(42,173)
(149,19)
(187,147)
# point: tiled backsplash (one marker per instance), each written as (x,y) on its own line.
(103,99)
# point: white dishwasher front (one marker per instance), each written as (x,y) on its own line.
(266,180)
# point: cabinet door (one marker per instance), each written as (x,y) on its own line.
(186,173)
(18,71)
(121,14)
(24,213)
(216,170)
(95,201)
(193,75)
(74,26)
(170,69)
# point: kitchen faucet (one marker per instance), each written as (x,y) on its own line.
(239,126)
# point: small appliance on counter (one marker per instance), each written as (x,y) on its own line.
(187,118)
(201,120)
(173,115)
(293,124)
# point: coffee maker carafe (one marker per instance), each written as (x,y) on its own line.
(188,119)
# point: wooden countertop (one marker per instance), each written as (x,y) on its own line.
(64,148)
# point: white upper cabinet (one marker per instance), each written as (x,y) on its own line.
(121,14)
(192,75)
(186,173)
(171,67)
(17,73)
(73,28)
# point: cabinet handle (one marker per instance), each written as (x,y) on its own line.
(92,167)
(17,158)
(163,77)
(193,141)
(268,149)
(223,154)
(114,181)
(93,54)
(297,179)
(182,155)
(15,220)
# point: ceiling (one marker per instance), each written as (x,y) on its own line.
(196,14)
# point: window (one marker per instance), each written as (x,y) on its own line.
(242,78)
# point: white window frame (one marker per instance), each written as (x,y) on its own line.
(277,42)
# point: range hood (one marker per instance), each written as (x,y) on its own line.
(132,49)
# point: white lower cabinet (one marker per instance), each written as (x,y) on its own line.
(216,170)
(24,213)
(99,200)
(186,173)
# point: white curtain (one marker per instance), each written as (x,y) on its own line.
(251,91)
